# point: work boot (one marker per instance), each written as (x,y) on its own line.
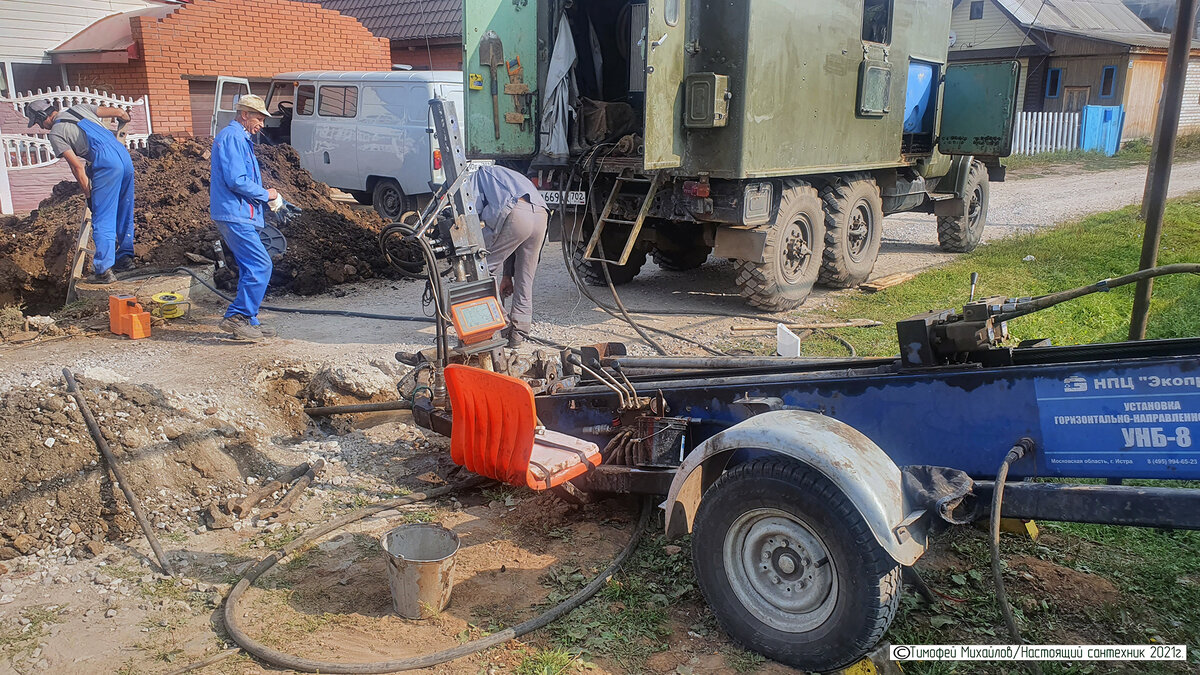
(105,277)
(267,331)
(124,264)
(408,358)
(517,337)
(239,326)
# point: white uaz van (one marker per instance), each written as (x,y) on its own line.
(367,133)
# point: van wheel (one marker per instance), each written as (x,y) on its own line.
(853,230)
(389,200)
(791,256)
(790,568)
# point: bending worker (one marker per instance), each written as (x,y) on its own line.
(104,171)
(514,219)
(237,200)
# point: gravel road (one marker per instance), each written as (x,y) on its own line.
(198,357)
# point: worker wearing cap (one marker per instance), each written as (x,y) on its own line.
(104,171)
(237,200)
(514,219)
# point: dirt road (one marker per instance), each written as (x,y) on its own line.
(207,377)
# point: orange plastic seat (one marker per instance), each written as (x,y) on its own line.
(496,433)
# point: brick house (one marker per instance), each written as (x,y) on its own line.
(424,34)
(174,52)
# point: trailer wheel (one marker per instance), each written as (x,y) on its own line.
(960,234)
(853,230)
(592,273)
(389,200)
(790,568)
(792,253)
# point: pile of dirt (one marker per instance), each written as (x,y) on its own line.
(329,243)
(55,490)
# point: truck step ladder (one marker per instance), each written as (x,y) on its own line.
(606,218)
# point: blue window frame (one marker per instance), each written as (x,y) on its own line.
(1053,82)
(1108,82)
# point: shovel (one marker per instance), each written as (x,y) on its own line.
(491,55)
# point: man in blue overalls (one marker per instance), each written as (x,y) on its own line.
(237,199)
(104,171)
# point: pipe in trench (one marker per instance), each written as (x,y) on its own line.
(357,408)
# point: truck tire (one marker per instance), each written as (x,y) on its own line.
(960,234)
(592,274)
(853,230)
(789,567)
(389,200)
(682,259)
(792,254)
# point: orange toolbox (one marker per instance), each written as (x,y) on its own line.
(126,317)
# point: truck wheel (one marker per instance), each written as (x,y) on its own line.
(960,234)
(389,200)
(592,273)
(853,230)
(792,253)
(681,259)
(789,567)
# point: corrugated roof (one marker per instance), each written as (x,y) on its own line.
(1076,15)
(403,19)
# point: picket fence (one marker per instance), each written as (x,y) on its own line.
(1037,132)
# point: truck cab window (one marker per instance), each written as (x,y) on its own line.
(305,96)
(877,21)
(338,102)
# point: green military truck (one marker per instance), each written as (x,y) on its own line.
(775,134)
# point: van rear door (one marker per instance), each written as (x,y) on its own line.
(664,50)
(229,90)
(516,24)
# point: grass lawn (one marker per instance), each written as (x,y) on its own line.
(1134,153)
(1100,246)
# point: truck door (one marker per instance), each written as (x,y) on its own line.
(229,90)
(664,49)
(979,104)
(514,24)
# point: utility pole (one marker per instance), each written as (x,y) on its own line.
(1158,177)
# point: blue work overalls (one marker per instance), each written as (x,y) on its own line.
(111,175)
(236,202)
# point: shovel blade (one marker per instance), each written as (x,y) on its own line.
(491,51)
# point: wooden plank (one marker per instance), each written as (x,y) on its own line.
(887,282)
(854,323)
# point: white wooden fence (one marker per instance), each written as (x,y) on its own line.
(1037,132)
(30,148)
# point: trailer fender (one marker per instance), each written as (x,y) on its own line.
(858,467)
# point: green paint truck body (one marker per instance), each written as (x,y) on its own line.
(776,133)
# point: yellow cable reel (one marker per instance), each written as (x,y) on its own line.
(169,305)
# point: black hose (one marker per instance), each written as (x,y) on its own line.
(611,311)
(1018,451)
(118,474)
(311,312)
(1046,301)
(275,657)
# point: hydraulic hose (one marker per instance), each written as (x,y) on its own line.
(1104,285)
(312,312)
(1022,447)
(275,657)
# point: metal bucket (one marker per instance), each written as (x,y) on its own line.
(420,565)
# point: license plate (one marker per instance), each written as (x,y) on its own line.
(554,197)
